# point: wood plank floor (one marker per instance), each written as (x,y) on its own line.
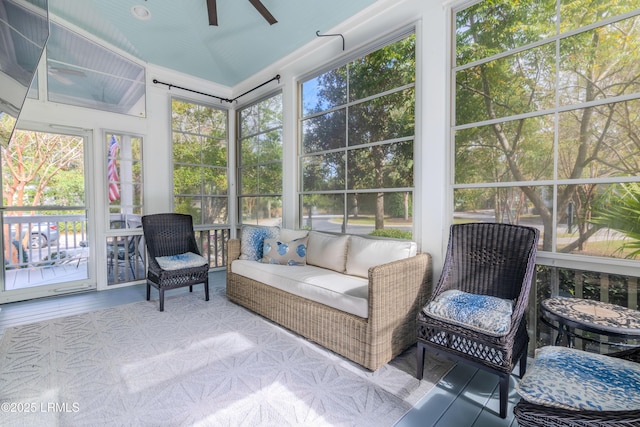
(464,397)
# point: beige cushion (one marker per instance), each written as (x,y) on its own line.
(327,250)
(289,234)
(364,253)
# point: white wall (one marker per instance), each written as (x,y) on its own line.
(376,23)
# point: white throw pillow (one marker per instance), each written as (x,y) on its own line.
(364,253)
(327,250)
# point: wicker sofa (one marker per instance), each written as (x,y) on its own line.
(393,293)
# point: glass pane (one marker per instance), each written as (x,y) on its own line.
(505,152)
(324,92)
(323,172)
(215,181)
(600,141)
(325,132)
(86,74)
(601,63)
(576,14)
(248,177)
(530,206)
(271,146)
(381,166)
(187,179)
(270,178)
(381,214)
(261,210)
(186,149)
(43,169)
(323,212)
(214,210)
(214,152)
(517,84)
(213,122)
(261,117)
(250,150)
(599,220)
(390,67)
(381,119)
(189,205)
(184,117)
(488,28)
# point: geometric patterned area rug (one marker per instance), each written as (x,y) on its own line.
(195,364)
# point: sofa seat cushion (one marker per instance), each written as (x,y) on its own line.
(483,313)
(340,291)
(573,379)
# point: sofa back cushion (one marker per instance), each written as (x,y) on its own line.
(364,253)
(288,234)
(327,250)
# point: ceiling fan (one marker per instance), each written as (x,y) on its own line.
(213,13)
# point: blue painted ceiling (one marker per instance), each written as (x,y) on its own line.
(178,36)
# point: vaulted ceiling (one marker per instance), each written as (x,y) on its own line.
(177,34)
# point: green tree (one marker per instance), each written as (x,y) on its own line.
(599,140)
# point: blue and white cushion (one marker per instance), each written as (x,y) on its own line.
(483,313)
(177,262)
(285,253)
(252,240)
(573,379)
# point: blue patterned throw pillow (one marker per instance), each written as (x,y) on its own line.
(252,240)
(285,253)
(569,378)
(483,313)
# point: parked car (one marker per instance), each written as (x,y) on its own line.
(41,234)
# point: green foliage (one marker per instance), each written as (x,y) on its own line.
(392,232)
(619,209)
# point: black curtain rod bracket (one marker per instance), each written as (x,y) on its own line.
(331,35)
(156,81)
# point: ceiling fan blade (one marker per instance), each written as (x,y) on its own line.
(263,11)
(213,12)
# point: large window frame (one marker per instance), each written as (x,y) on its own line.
(260,161)
(353,168)
(200,135)
(556,105)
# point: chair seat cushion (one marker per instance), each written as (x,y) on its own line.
(573,379)
(180,261)
(483,313)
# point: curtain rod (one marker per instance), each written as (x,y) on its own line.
(277,77)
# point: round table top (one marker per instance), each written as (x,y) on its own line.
(595,315)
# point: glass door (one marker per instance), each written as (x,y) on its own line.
(44,216)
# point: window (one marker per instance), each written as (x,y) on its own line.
(85,74)
(200,141)
(125,248)
(545,127)
(356,155)
(260,162)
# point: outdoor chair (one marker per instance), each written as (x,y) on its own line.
(124,250)
(571,387)
(475,314)
(174,259)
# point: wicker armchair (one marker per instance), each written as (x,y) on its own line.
(170,237)
(486,260)
(532,414)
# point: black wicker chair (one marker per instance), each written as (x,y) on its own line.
(535,415)
(170,235)
(486,259)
